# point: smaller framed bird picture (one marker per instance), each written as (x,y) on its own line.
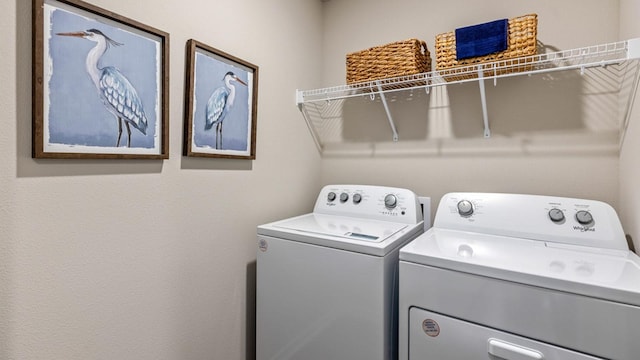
(100,84)
(221,100)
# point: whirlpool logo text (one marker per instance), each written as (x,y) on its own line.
(584,228)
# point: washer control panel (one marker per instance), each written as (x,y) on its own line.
(366,201)
(552,219)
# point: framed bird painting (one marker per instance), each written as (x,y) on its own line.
(100,84)
(220,104)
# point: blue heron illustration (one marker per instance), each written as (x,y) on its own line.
(116,91)
(219,105)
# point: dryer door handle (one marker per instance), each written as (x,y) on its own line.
(508,351)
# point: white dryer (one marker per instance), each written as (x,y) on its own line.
(504,276)
(327,281)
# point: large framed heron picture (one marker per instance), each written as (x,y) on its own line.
(220,104)
(100,84)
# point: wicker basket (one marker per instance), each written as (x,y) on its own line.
(521,42)
(408,57)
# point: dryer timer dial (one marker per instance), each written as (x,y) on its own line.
(390,201)
(556,215)
(465,208)
(584,217)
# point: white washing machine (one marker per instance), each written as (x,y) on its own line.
(504,276)
(327,280)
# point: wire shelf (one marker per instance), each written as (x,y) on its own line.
(599,55)
(321,107)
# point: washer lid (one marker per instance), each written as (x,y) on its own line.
(343,227)
(600,273)
(362,235)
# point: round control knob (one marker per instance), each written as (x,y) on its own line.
(584,217)
(331,196)
(465,208)
(344,197)
(357,198)
(390,201)
(556,215)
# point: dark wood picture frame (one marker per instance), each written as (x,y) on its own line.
(94,99)
(221,98)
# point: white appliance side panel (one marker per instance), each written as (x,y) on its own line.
(319,303)
(435,336)
(599,327)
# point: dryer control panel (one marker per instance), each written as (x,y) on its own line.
(556,220)
(370,202)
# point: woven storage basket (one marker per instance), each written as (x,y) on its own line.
(521,42)
(408,57)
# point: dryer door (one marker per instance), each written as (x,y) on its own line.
(435,336)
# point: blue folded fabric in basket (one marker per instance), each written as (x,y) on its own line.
(481,39)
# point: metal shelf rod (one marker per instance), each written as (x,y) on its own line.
(386,108)
(307,119)
(483,99)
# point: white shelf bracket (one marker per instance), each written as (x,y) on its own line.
(299,99)
(307,119)
(386,108)
(633,48)
(483,99)
(426,81)
(629,107)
